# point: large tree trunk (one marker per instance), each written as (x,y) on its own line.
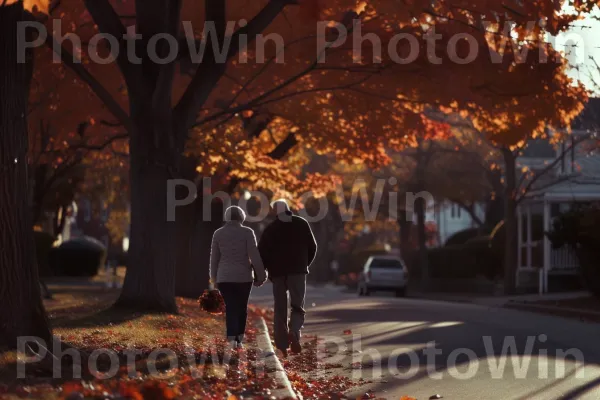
(150,281)
(193,251)
(21,309)
(510,223)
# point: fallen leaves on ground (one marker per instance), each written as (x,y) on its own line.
(200,363)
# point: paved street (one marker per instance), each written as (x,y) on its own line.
(421,347)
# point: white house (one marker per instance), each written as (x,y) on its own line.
(451,218)
(571,174)
(574,178)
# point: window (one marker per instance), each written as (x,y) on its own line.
(385,263)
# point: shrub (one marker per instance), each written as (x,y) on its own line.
(43,246)
(489,261)
(452,262)
(576,228)
(465,261)
(579,230)
(79,257)
(463,237)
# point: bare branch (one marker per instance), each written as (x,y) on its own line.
(109,23)
(284,147)
(470,209)
(210,72)
(547,169)
(99,90)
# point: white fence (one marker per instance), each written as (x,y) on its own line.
(563,260)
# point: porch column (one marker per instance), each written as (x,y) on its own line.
(529,238)
(519,243)
(547,245)
(519,237)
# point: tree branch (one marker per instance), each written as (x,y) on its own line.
(547,169)
(103,145)
(284,147)
(109,23)
(99,90)
(210,72)
(470,209)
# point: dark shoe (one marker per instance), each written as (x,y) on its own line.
(284,353)
(295,345)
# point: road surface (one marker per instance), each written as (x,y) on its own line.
(421,348)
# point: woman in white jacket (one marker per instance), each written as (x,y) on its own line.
(233,253)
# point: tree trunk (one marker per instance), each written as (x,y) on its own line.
(150,281)
(21,309)
(193,252)
(404,229)
(420,208)
(510,223)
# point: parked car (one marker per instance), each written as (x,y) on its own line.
(383,273)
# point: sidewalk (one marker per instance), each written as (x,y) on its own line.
(497,301)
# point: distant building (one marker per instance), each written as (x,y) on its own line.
(566,172)
(90,219)
(572,177)
(451,218)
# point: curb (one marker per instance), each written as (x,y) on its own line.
(272,364)
(562,311)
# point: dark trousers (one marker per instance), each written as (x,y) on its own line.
(295,286)
(236,295)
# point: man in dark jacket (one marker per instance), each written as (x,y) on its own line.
(287,248)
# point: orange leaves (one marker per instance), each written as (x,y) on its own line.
(40,6)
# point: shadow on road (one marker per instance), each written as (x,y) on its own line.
(467,347)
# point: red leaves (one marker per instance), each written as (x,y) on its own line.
(301,371)
(72,387)
(192,330)
(211,301)
(157,391)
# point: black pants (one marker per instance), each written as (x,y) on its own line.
(236,296)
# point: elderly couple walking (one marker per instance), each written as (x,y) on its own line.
(287,248)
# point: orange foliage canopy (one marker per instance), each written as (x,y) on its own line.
(353,108)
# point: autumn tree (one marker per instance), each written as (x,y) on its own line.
(21,309)
(510,181)
(349,100)
(424,166)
